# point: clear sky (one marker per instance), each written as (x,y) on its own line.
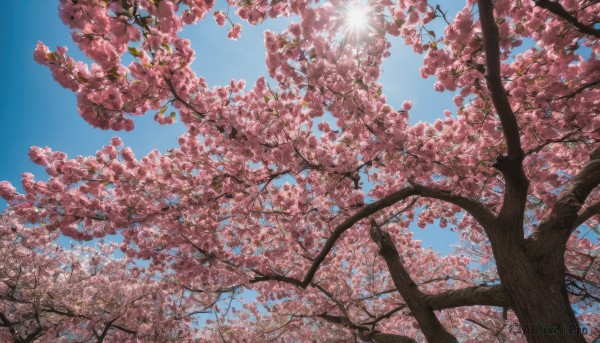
(35,110)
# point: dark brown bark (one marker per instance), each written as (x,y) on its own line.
(563,218)
(537,295)
(477,295)
(586,214)
(511,166)
(556,8)
(547,246)
(429,324)
(474,208)
(390,338)
(508,119)
(532,271)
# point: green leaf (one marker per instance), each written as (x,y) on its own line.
(167,47)
(51,56)
(217,183)
(81,78)
(134,51)
(113,76)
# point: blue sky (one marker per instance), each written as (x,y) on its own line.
(35,110)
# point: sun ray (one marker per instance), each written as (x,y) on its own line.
(357,20)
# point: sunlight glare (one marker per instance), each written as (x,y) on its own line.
(356,19)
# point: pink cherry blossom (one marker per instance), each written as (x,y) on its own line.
(295,196)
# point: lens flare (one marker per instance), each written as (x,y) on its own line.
(357,21)
(357,18)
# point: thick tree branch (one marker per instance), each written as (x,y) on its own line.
(470,296)
(337,233)
(494,80)
(586,214)
(378,337)
(363,213)
(556,8)
(280,278)
(563,218)
(477,295)
(511,166)
(479,211)
(431,327)
(476,209)
(547,245)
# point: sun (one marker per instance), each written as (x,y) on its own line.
(357,20)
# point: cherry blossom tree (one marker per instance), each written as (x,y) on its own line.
(52,294)
(301,187)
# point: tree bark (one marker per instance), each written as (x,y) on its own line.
(532,271)
(429,324)
(390,338)
(476,295)
(536,291)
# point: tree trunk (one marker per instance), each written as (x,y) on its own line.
(535,288)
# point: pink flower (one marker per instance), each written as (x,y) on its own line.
(128,125)
(37,155)
(41,53)
(234,32)
(458,100)
(220,17)
(7,191)
(407,105)
(116,141)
